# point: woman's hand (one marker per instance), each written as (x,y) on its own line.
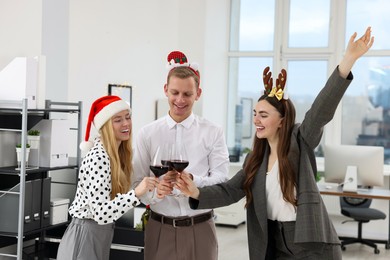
(355,50)
(170,176)
(147,184)
(164,187)
(185,184)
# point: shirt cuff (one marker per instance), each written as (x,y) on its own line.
(196,179)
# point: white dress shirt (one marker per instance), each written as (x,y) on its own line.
(207,154)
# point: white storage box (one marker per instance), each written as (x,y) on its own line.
(58,210)
(22,78)
(54,142)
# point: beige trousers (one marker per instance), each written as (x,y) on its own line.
(163,241)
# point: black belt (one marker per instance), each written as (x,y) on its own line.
(182,222)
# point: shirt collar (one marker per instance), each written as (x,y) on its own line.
(186,122)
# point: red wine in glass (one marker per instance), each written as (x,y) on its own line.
(159,170)
(179,158)
(179,165)
(167,163)
(157,166)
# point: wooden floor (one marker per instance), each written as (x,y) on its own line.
(233,245)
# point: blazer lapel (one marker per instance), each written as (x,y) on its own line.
(259,193)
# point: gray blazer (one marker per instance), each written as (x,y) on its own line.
(313,227)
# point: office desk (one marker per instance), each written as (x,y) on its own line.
(336,190)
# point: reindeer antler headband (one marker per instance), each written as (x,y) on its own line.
(278,91)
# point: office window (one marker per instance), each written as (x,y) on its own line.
(252,23)
(312,13)
(366,104)
(245,83)
(308,39)
(305,80)
(375,13)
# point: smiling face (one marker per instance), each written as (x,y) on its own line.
(182,94)
(121,124)
(267,120)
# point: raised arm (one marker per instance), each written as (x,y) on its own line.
(355,50)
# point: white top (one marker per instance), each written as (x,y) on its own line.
(277,208)
(93,195)
(207,153)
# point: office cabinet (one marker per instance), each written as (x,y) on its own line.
(25,193)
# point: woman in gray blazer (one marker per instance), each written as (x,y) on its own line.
(286,217)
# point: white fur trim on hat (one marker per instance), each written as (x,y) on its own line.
(171,65)
(86,146)
(109,111)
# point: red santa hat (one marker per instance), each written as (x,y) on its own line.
(101,111)
(179,59)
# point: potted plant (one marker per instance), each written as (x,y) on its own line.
(18,154)
(33,138)
(244,153)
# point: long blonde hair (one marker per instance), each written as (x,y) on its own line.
(120,159)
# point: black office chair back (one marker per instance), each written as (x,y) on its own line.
(351,202)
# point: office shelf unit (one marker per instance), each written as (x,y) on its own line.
(27,183)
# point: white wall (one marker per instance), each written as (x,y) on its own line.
(128,42)
(21,35)
(90,44)
(20,30)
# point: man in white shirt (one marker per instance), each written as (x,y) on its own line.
(174,230)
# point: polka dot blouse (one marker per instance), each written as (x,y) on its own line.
(93,200)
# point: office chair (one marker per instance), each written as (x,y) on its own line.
(359,209)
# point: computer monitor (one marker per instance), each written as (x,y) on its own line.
(368,161)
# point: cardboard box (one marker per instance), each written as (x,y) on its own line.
(53,150)
(58,210)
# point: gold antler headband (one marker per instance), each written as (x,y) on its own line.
(278,90)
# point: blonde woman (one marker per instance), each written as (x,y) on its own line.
(103,192)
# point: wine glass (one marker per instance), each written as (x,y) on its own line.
(159,165)
(166,155)
(179,161)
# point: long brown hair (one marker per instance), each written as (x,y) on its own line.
(120,159)
(287,176)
